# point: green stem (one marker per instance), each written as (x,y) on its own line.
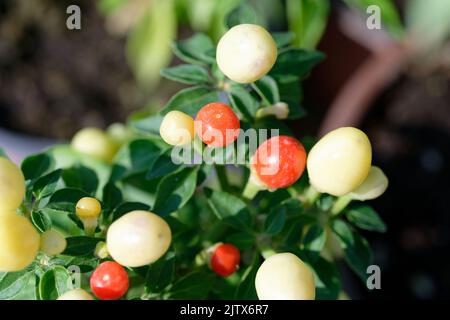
(90,225)
(251,189)
(311,195)
(340,204)
(263,97)
(222,177)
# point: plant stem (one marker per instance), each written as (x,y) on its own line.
(340,204)
(90,224)
(311,195)
(251,188)
(263,97)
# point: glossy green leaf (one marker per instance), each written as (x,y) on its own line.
(36,165)
(328,284)
(126,207)
(41,220)
(295,62)
(81,177)
(357,250)
(190,100)
(228,207)
(187,73)
(242,240)
(80,246)
(162,167)
(196,49)
(246,289)
(314,241)
(54,283)
(46,185)
(112,196)
(13,283)
(160,273)
(275,220)
(136,157)
(195,285)
(148,125)
(365,217)
(175,190)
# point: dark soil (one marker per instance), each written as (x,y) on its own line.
(54,81)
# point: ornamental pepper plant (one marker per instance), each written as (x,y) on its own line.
(213,197)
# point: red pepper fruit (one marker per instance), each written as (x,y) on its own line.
(279,161)
(225,259)
(217,125)
(109,281)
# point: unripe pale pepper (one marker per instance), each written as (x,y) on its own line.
(246,53)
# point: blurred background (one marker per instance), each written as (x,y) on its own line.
(394,83)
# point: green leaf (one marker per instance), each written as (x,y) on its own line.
(128,207)
(148,44)
(112,196)
(80,246)
(41,220)
(328,284)
(160,273)
(163,167)
(13,283)
(365,218)
(195,285)
(65,200)
(175,190)
(290,93)
(81,177)
(148,125)
(196,49)
(308,20)
(246,289)
(295,62)
(243,102)
(136,157)
(228,207)
(390,17)
(190,100)
(54,283)
(36,165)
(46,185)
(243,13)
(275,220)
(268,89)
(61,210)
(283,39)
(187,73)
(357,250)
(314,241)
(242,240)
